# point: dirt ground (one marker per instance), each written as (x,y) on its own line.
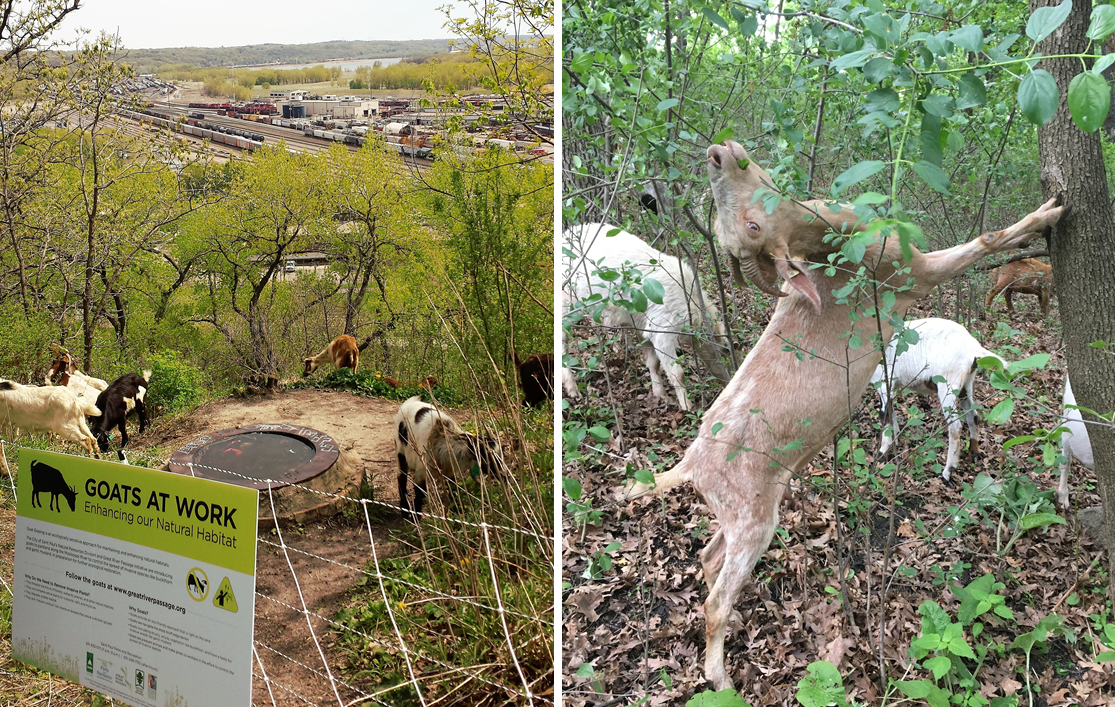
(288,656)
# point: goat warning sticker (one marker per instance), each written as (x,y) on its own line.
(112,580)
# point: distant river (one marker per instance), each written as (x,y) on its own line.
(346,64)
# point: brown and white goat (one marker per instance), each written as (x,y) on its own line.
(54,409)
(341,352)
(1023,277)
(432,445)
(779,410)
(64,363)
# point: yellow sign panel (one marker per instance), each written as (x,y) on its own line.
(225,599)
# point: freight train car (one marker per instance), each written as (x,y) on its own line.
(242,141)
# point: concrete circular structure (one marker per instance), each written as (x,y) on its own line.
(276,455)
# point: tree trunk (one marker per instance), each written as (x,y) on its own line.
(1082,250)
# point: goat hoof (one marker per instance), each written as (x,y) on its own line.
(949,481)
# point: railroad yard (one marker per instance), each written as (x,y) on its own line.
(406,127)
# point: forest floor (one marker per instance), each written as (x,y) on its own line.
(328,556)
(635,628)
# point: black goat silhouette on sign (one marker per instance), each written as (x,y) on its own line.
(195,584)
(47,479)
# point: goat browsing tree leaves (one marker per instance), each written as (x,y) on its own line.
(936,122)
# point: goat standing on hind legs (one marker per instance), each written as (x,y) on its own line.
(795,400)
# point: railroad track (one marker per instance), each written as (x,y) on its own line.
(295,140)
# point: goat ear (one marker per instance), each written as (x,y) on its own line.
(795,274)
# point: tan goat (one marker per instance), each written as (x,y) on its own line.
(342,352)
(768,245)
(1023,277)
(779,411)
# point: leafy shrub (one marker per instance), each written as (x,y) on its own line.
(373,385)
(175,384)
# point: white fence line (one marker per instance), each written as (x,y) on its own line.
(333,685)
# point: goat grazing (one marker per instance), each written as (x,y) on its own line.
(431,444)
(47,479)
(46,409)
(341,352)
(1074,443)
(944,348)
(780,410)
(684,302)
(117,401)
(1023,277)
(536,375)
(64,363)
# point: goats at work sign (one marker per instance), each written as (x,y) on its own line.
(137,583)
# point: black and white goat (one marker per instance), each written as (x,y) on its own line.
(433,446)
(946,349)
(117,401)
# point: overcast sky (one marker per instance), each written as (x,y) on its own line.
(227,23)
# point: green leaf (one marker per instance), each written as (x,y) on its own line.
(599,433)
(870,197)
(853,60)
(585,671)
(653,290)
(572,487)
(932,175)
(715,18)
(1028,364)
(958,646)
(724,698)
(644,476)
(716,427)
(915,689)
(938,104)
(1089,100)
(1103,62)
(1001,413)
(749,25)
(856,174)
(968,37)
(581,62)
(667,104)
(878,69)
(941,665)
(972,92)
(725,134)
(1102,24)
(1105,656)
(1036,520)
(1047,19)
(1038,95)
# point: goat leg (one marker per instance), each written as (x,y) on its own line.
(141,412)
(931,269)
(403,489)
(419,497)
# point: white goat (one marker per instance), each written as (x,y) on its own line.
(1074,443)
(430,443)
(780,410)
(661,325)
(84,387)
(47,409)
(944,348)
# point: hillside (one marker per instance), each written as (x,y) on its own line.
(148,60)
